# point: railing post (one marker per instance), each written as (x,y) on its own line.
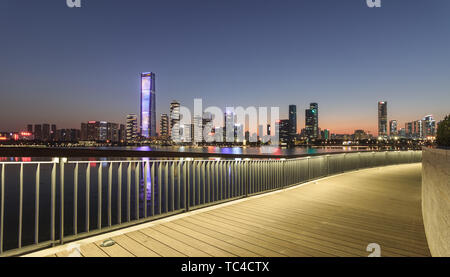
(186,170)
(75,199)
(119,193)
(36,206)
(2,207)
(99,196)
(53,203)
(61,180)
(20,206)
(88,198)
(110,173)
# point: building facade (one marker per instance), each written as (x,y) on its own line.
(175,120)
(164,126)
(293,119)
(132,128)
(382,119)
(148,105)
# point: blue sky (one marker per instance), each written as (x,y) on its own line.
(65,66)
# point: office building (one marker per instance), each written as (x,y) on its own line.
(382,119)
(45,132)
(38,132)
(148,105)
(175,120)
(164,126)
(293,120)
(393,125)
(131,129)
(284,131)
(429,126)
(312,121)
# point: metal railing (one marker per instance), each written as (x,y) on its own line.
(47,203)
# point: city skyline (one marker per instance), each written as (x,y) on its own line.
(344,65)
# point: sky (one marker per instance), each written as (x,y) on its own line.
(66,66)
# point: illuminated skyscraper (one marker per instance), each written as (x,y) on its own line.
(164,125)
(148,107)
(382,119)
(393,128)
(175,120)
(293,119)
(131,127)
(429,126)
(312,121)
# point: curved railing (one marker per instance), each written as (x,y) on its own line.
(49,203)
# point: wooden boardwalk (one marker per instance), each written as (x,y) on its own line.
(337,216)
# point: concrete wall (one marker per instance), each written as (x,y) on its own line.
(436,200)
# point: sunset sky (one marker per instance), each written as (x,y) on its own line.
(66,66)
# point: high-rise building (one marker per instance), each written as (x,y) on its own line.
(409,129)
(285,131)
(382,119)
(131,132)
(164,126)
(67,135)
(53,132)
(30,128)
(122,133)
(293,119)
(393,125)
(312,121)
(198,128)
(148,105)
(83,131)
(429,126)
(38,132)
(175,120)
(112,132)
(418,129)
(94,131)
(46,132)
(325,134)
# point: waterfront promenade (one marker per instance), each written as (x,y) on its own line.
(335,216)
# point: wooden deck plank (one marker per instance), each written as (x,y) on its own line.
(115,250)
(235,250)
(92,250)
(134,247)
(176,244)
(193,242)
(337,216)
(156,246)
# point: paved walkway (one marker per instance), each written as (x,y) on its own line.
(335,216)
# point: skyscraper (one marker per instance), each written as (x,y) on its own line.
(312,121)
(148,106)
(382,119)
(164,125)
(285,131)
(38,132)
(46,132)
(131,131)
(393,128)
(293,119)
(175,120)
(429,126)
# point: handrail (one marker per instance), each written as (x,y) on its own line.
(76,199)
